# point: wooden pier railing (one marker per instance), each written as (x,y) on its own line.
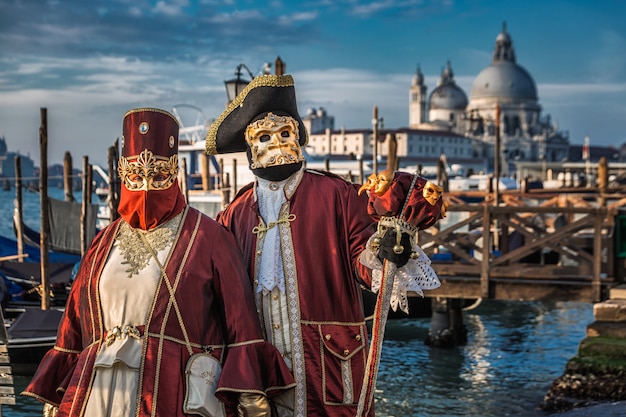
(538,247)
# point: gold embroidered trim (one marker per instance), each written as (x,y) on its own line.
(134,252)
(39,398)
(262,228)
(144,348)
(172,302)
(247,342)
(293,301)
(63,350)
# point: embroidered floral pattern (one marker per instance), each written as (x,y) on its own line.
(135,254)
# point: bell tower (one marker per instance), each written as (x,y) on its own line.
(417,100)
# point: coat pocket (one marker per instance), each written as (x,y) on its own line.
(343,352)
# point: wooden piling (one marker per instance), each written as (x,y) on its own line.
(226,191)
(374,140)
(361,173)
(182,179)
(68,178)
(114,182)
(44,231)
(85,207)
(19,208)
(205,173)
(222,174)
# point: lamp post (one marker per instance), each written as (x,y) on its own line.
(234,86)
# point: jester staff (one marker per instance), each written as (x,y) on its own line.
(402,204)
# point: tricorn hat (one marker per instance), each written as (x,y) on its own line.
(149,128)
(265,93)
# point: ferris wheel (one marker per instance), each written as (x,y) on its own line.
(192,121)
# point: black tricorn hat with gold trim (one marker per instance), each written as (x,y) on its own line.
(264,94)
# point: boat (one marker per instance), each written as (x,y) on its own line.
(64,223)
(28,330)
(8,248)
(21,285)
(28,333)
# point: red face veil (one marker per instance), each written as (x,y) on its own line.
(148,168)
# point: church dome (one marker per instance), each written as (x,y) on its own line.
(447,95)
(504,78)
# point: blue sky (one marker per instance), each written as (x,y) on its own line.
(88,62)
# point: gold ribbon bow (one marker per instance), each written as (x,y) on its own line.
(262,228)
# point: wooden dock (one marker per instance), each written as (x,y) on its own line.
(559,245)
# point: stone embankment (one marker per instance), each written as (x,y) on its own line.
(597,374)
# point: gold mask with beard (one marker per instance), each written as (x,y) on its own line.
(273,141)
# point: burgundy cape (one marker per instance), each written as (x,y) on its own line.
(217,307)
(321,249)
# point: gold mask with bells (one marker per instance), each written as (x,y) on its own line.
(273,141)
(147,171)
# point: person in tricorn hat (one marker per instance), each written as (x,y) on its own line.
(160,285)
(301,233)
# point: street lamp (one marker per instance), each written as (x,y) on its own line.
(236,85)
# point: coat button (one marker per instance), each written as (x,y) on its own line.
(345,352)
(357,337)
(277,326)
(327,337)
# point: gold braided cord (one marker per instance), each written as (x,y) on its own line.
(150,109)
(262,228)
(260,81)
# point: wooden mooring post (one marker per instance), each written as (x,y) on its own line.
(19,209)
(114,182)
(68,178)
(45,219)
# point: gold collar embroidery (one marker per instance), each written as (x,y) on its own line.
(132,246)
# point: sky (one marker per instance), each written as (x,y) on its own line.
(88,62)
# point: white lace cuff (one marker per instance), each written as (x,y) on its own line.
(417,275)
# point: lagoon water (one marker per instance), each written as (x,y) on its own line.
(514,352)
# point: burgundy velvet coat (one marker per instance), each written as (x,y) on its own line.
(217,306)
(321,248)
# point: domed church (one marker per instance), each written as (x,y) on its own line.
(524,134)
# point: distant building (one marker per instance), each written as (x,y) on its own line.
(524,134)
(317,121)
(464,129)
(7,164)
(414,146)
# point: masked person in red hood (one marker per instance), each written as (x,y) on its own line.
(162,284)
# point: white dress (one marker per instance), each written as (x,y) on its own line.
(126,302)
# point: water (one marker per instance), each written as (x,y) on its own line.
(514,352)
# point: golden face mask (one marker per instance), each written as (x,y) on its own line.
(273,141)
(432,192)
(147,171)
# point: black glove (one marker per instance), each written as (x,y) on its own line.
(388,241)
